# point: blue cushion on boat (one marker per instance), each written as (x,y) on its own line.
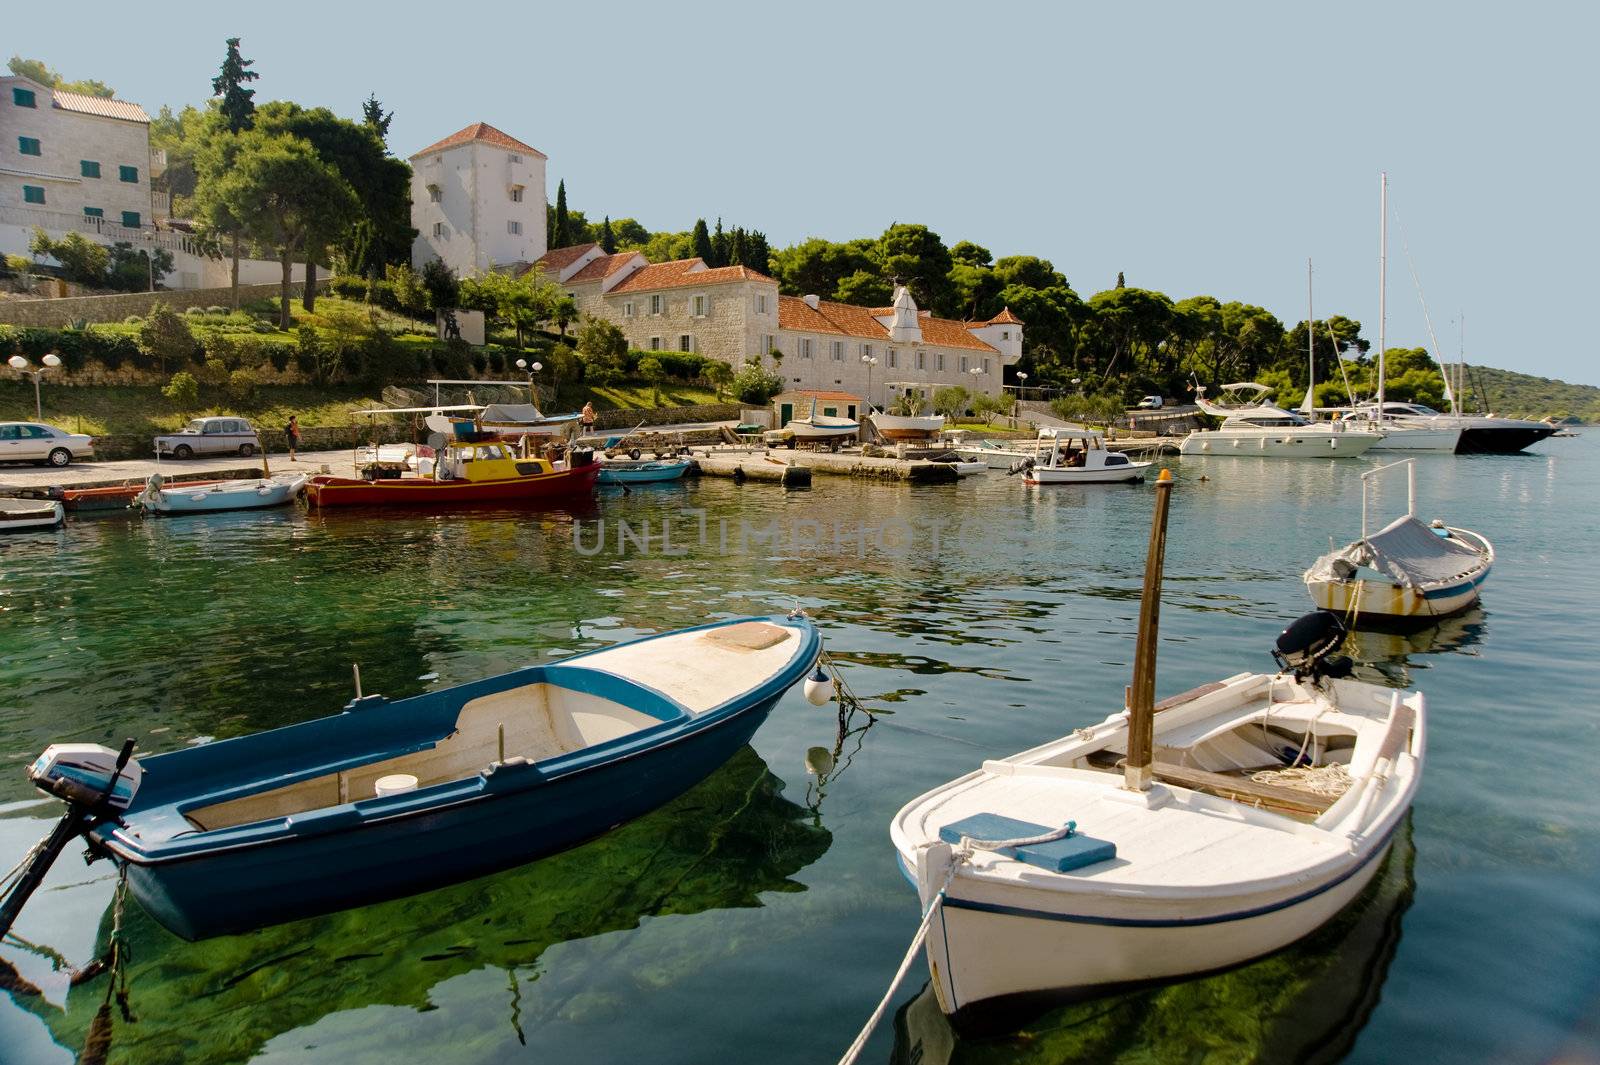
(1058,856)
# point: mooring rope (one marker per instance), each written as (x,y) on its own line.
(850,1055)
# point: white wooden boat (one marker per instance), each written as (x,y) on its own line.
(907,427)
(1165,841)
(1078,456)
(22,515)
(966,468)
(1406,571)
(1261,429)
(823,427)
(246,494)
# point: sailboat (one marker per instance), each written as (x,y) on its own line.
(1214,827)
(1405,429)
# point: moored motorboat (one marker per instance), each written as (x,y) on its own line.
(1077,456)
(628,471)
(1406,571)
(477,471)
(249,493)
(1258,428)
(905,426)
(23,515)
(390,798)
(1215,827)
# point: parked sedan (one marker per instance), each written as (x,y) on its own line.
(32,442)
(210,436)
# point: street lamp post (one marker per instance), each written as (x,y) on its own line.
(522,364)
(871,361)
(1022,391)
(23,367)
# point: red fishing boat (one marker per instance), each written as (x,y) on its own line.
(477,471)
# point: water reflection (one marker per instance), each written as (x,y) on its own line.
(1306,1003)
(718,846)
(1385,657)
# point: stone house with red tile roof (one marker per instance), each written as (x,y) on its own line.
(478,201)
(733,312)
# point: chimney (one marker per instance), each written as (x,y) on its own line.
(811,301)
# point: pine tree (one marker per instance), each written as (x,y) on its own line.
(238,107)
(562,237)
(719,247)
(376,119)
(608,239)
(701,240)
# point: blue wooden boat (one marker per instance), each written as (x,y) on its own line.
(389,798)
(643,472)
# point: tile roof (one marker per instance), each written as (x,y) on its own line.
(558,259)
(660,275)
(847,319)
(603,267)
(1005,317)
(480,131)
(99,105)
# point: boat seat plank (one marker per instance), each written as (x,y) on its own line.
(1241,789)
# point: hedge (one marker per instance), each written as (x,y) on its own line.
(679,365)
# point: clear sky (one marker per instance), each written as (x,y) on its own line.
(1198,148)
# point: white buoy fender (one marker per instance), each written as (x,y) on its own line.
(819,687)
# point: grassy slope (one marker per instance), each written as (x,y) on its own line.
(1523,395)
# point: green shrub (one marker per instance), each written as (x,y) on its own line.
(183,390)
(218,311)
(242,385)
(223,348)
(132,319)
(278,354)
(754,385)
(347,287)
(166,337)
(950,400)
(193,312)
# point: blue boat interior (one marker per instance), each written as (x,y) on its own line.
(508,730)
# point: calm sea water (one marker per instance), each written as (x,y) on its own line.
(759,917)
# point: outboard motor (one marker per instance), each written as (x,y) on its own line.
(1306,647)
(1020,466)
(96,783)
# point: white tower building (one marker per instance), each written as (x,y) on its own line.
(478,201)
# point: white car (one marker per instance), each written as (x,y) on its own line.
(210,436)
(1149,403)
(33,442)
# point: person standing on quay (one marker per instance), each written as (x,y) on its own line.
(586,419)
(291,435)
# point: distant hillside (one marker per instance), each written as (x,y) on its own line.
(1520,395)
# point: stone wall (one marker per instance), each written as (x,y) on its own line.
(627,419)
(54,314)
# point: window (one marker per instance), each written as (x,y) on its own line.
(805,347)
(866,351)
(1005,334)
(627,309)
(922,360)
(33,194)
(768,343)
(514,227)
(23,97)
(941,361)
(656,304)
(28,145)
(515,158)
(761,303)
(963,364)
(89,168)
(516,194)
(986,366)
(130,174)
(655,343)
(838,351)
(685,342)
(130,219)
(892,360)
(94,212)
(698,303)
(438,229)
(434,193)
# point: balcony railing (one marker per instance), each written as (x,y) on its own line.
(101,229)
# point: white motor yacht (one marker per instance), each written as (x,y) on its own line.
(1256,427)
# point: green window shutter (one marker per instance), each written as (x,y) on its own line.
(129,174)
(94,212)
(23,97)
(28,145)
(33,194)
(130,219)
(89,168)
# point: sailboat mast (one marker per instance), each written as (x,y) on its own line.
(1309,407)
(1383,277)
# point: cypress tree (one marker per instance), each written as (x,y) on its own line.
(237,106)
(562,236)
(702,242)
(608,239)
(1119,279)
(757,255)
(736,243)
(719,247)
(376,118)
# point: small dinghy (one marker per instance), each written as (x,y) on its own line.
(646,472)
(389,798)
(1168,840)
(23,515)
(1406,571)
(247,494)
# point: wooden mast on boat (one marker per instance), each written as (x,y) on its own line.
(1141,696)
